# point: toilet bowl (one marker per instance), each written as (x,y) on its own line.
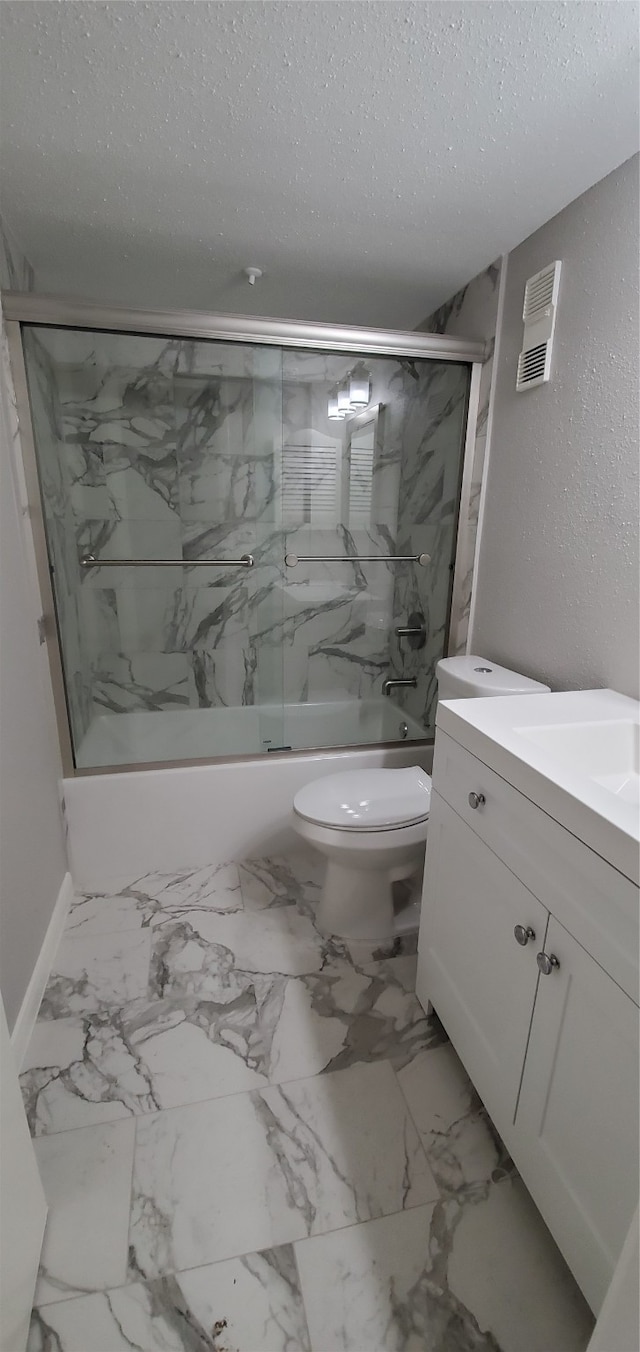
(371,825)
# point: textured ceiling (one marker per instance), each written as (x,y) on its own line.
(370,157)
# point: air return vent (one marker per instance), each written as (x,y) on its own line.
(539,315)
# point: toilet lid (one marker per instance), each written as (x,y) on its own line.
(367,800)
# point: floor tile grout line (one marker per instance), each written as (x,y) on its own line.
(236,1093)
(441,1191)
(141,1278)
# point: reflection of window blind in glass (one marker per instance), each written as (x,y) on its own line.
(360,485)
(310,484)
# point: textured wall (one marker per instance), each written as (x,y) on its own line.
(557,587)
(32,853)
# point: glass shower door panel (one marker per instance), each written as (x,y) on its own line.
(150,449)
(382,481)
(264,685)
(229,430)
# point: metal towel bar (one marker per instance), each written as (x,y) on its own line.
(292,559)
(90,561)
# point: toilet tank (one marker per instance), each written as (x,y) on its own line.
(472,677)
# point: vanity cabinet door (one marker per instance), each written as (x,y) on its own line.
(479,979)
(577,1117)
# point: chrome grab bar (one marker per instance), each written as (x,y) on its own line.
(90,561)
(292,559)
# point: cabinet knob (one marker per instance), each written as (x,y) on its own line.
(547,962)
(476,799)
(524,934)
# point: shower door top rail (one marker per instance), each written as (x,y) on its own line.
(90,561)
(421,559)
(28,307)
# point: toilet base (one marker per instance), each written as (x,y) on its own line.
(357,903)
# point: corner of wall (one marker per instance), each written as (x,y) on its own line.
(502,286)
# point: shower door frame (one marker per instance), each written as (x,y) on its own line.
(32,309)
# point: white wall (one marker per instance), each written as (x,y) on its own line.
(32,851)
(557,584)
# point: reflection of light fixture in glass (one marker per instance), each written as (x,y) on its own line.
(333,411)
(359,389)
(344,401)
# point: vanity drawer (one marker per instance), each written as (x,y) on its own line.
(598,905)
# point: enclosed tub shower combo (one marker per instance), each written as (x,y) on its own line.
(246,533)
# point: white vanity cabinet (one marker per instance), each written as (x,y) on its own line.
(537,991)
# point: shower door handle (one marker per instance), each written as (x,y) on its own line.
(90,561)
(292,560)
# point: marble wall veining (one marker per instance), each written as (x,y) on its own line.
(16,272)
(152,448)
(427,521)
(471,313)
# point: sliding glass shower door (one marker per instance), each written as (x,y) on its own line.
(238,534)
(160,467)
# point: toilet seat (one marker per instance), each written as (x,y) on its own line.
(363,801)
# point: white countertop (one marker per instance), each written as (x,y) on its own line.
(501,732)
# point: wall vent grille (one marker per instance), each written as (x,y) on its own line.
(539,315)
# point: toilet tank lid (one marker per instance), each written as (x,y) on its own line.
(367,800)
(484,676)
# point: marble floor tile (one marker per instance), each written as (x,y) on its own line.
(362,952)
(505,1266)
(255,1170)
(152,1054)
(281,880)
(86,1175)
(462,1146)
(215,1030)
(251,1303)
(369,1287)
(155,898)
(394,1285)
(341,1016)
(97,972)
(270,942)
(287,1090)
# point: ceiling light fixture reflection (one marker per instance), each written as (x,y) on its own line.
(352,395)
(344,406)
(359,389)
(333,411)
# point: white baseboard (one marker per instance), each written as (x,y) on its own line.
(28,1011)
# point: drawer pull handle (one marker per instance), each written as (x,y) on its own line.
(476,799)
(523,935)
(547,962)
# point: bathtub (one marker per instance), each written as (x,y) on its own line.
(203,734)
(131,822)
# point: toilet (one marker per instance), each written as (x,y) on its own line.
(371,825)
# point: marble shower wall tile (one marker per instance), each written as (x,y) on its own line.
(16,272)
(56,485)
(472,312)
(170,449)
(426,523)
